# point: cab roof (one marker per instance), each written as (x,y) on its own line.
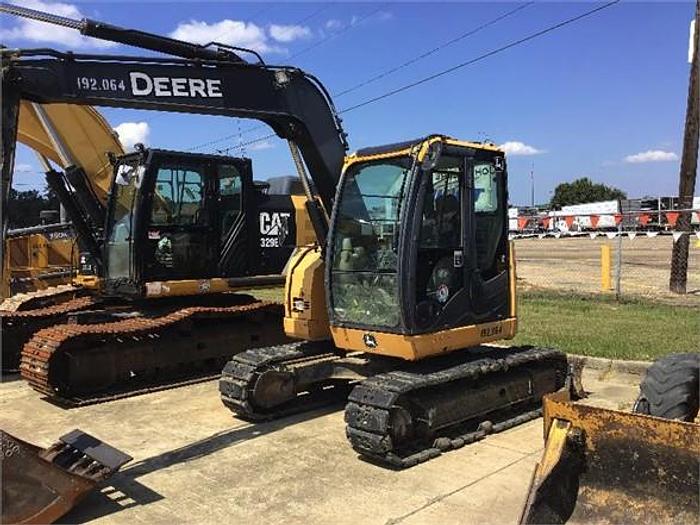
(409,144)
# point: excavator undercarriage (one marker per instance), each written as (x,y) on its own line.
(397,413)
(85,360)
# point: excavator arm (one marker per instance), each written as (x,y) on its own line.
(71,135)
(290,101)
(191,79)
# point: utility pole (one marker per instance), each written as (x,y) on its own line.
(532,185)
(689,167)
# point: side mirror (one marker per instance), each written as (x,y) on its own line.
(432,156)
(499,163)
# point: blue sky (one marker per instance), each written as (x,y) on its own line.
(603,98)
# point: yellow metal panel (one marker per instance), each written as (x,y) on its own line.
(421,148)
(415,347)
(607,466)
(197,287)
(305,313)
(305,231)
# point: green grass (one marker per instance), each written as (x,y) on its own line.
(275,294)
(594,325)
(600,326)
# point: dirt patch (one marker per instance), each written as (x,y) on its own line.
(574,264)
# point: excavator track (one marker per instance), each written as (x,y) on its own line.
(20,323)
(241,387)
(403,418)
(398,413)
(78,364)
(39,298)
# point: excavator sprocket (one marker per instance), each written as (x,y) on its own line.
(24,314)
(78,364)
(403,418)
(41,485)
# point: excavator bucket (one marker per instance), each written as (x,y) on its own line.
(41,485)
(606,466)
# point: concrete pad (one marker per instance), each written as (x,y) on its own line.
(195,463)
(526,438)
(465,505)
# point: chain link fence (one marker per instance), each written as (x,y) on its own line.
(622,264)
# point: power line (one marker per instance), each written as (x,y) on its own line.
(314,14)
(432,51)
(338,33)
(461,65)
(389,71)
(240,133)
(242,145)
(493,52)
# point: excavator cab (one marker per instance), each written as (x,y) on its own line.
(419,242)
(176,216)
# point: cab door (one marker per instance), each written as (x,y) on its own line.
(488,238)
(457,264)
(181,239)
(238,253)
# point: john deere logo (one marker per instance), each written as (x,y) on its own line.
(370,341)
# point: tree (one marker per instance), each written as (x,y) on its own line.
(24,207)
(584,190)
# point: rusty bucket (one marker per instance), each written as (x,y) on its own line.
(607,466)
(41,485)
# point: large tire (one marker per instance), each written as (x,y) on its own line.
(670,388)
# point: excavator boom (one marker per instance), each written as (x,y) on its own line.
(71,135)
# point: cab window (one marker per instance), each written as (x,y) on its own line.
(488,220)
(178,197)
(485,188)
(230,195)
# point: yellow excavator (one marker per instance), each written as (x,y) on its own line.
(79,141)
(395,310)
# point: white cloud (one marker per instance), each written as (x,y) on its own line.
(35,31)
(652,155)
(131,133)
(333,24)
(514,148)
(283,33)
(230,32)
(258,146)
